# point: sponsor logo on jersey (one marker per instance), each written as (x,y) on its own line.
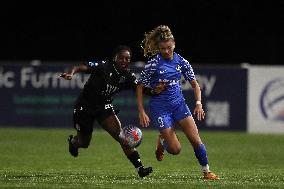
(110,89)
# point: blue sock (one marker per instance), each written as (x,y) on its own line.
(201,155)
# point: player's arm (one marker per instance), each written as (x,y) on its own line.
(145,89)
(73,70)
(143,117)
(156,90)
(198,111)
(85,67)
(148,91)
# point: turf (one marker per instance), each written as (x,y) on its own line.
(39,158)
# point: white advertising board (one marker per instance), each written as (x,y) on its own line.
(266,99)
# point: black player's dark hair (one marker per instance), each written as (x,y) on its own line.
(120,48)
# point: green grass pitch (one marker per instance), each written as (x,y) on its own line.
(39,158)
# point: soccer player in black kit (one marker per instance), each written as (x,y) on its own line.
(95,102)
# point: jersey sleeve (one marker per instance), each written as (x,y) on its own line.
(187,71)
(131,82)
(95,66)
(149,69)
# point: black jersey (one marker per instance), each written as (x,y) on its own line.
(104,82)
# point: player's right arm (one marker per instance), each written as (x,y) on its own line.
(86,67)
(144,80)
(75,69)
(143,117)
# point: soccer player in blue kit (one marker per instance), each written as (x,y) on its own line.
(169,109)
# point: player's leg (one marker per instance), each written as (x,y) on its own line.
(184,119)
(167,139)
(113,126)
(83,123)
(81,140)
(189,127)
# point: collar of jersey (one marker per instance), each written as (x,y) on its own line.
(118,73)
(166,60)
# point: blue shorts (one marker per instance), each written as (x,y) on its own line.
(163,117)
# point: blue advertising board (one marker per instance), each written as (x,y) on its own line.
(224,98)
(35,96)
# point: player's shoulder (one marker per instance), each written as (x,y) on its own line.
(180,58)
(154,58)
(97,63)
(128,73)
(153,61)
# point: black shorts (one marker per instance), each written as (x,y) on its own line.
(84,118)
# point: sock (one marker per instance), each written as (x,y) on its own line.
(205,169)
(75,142)
(164,144)
(202,158)
(134,158)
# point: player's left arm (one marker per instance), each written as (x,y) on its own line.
(156,90)
(188,73)
(148,90)
(198,110)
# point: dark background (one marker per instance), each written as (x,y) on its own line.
(206,31)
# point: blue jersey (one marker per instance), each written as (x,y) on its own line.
(159,69)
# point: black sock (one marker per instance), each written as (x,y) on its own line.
(135,159)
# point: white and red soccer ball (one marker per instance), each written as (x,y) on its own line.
(131,136)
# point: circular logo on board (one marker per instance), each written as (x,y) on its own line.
(272,100)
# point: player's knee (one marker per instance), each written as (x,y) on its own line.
(175,150)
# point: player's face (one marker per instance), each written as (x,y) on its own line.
(122,59)
(167,48)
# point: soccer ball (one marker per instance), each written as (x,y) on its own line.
(131,136)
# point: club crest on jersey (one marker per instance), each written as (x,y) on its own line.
(178,68)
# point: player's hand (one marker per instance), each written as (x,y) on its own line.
(160,87)
(199,112)
(144,119)
(67,76)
